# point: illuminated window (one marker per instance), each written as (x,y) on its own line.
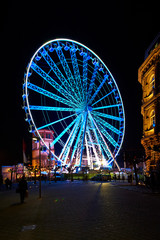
(153,122)
(152,83)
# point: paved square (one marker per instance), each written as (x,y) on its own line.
(80,210)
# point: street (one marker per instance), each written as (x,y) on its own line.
(80,210)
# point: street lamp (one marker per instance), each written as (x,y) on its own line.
(49,158)
(38,139)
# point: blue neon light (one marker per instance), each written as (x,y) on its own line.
(73,90)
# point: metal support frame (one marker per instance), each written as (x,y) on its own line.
(98,114)
(82,145)
(49,94)
(52,82)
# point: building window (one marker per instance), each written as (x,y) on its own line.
(48,135)
(152,83)
(152,117)
(152,155)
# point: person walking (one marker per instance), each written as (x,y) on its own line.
(23,188)
(1,181)
(7,183)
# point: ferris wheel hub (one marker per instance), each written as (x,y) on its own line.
(89,108)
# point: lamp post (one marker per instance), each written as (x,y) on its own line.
(38,139)
(39,169)
(49,164)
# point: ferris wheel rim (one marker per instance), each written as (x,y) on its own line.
(82,45)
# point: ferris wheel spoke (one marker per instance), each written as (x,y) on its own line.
(76,74)
(108,106)
(93,147)
(58,73)
(88,146)
(106,145)
(109,126)
(57,121)
(79,145)
(49,94)
(65,151)
(98,89)
(46,108)
(77,141)
(63,132)
(109,162)
(99,139)
(104,149)
(87,150)
(104,97)
(107,116)
(83,137)
(85,73)
(107,135)
(92,81)
(67,70)
(51,81)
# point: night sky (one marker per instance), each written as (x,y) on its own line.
(119,32)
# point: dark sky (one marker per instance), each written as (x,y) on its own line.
(117,31)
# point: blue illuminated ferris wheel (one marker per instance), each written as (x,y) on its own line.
(69,90)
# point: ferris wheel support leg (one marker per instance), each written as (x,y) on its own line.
(107,146)
(98,141)
(76,144)
(70,140)
(94,150)
(82,145)
(87,148)
(64,131)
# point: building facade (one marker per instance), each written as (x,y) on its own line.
(149,78)
(48,137)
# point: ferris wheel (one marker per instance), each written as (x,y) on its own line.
(69,90)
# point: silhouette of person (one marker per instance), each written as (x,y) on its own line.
(23,187)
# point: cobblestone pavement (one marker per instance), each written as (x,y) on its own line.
(80,211)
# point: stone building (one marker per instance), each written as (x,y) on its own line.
(149,77)
(48,137)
